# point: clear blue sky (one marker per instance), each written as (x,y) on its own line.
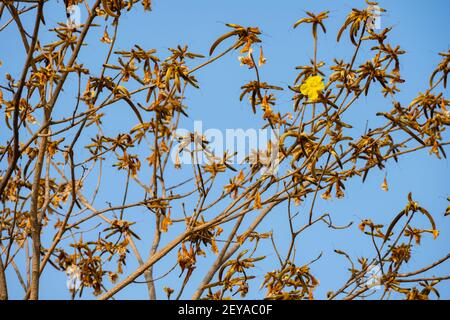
(420,27)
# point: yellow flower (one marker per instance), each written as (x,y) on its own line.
(311,87)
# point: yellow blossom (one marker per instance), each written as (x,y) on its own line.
(435,234)
(311,87)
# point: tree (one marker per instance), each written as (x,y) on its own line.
(53,153)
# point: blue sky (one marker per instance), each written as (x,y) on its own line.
(420,27)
